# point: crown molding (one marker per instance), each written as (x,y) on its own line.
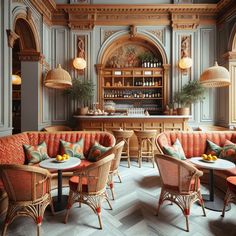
(86,16)
(79,16)
(46,8)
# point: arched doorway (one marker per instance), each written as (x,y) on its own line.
(25,48)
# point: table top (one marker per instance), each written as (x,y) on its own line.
(52,164)
(219,164)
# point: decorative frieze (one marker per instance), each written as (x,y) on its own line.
(158,33)
(108,33)
(28,55)
(184,21)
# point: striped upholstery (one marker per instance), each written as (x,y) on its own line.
(194,143)
(12,152)
(52,139)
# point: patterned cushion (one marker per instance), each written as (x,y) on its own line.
(96,151)
(73,149)
(175,151)
(35,154)
(213,148)
(229,151)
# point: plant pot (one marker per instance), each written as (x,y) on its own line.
(183,111)
(82,110)
(171,111)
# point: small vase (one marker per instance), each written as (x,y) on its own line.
(183,111)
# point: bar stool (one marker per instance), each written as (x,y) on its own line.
(145,144)
(124,135)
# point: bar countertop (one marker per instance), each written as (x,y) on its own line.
(131,117)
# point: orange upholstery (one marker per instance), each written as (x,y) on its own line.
(180,184)
(231,183)
(194,144)
(230,195)
(52,139)
(12,152)
(11,149)
(28,190)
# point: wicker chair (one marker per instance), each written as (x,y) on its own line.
(28,190)
(57,128)
(231,192)
(180,184)
(117,150)
(88,186)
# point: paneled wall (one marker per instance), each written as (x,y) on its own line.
(5,70)
(58,44)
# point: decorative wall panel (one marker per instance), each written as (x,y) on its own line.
(60,56)
(207,57)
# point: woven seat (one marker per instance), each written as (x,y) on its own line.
(180,184)
(88,186)
(145,144)
(231,192)
(28,190)
(124,135)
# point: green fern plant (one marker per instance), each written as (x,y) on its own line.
(191,92)
(82,91)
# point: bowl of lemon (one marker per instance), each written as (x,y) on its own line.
(209,158)
(62,158)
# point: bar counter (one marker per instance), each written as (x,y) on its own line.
(133,122)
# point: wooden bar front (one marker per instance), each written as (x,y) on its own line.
(108,123)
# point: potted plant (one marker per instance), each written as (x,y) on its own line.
(191,92)
(81,91)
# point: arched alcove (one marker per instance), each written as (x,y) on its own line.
(25,60)
(121,71)
(140,42)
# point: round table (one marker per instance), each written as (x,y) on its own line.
(60,201)
(211,201)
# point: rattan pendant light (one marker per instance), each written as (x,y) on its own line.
(215,76)
(58,79)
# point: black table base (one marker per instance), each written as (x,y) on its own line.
(216,205)
(60,205)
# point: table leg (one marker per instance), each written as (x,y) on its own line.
(211,201)
(59,201)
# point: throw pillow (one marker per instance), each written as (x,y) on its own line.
(229,151)
(35,154)
(175,151)
(96,151)
(213,148)
(73,149)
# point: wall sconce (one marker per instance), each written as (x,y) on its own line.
(79,62)
(16,79)
(58,78)
(215,76)
(185,62)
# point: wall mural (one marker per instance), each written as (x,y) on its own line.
(129,55)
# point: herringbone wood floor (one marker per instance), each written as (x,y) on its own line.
(133,213)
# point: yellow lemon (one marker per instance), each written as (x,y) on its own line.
(59,157)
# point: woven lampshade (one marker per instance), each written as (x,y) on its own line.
(185,62)
(58,79)
(215,76)
(79,63)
